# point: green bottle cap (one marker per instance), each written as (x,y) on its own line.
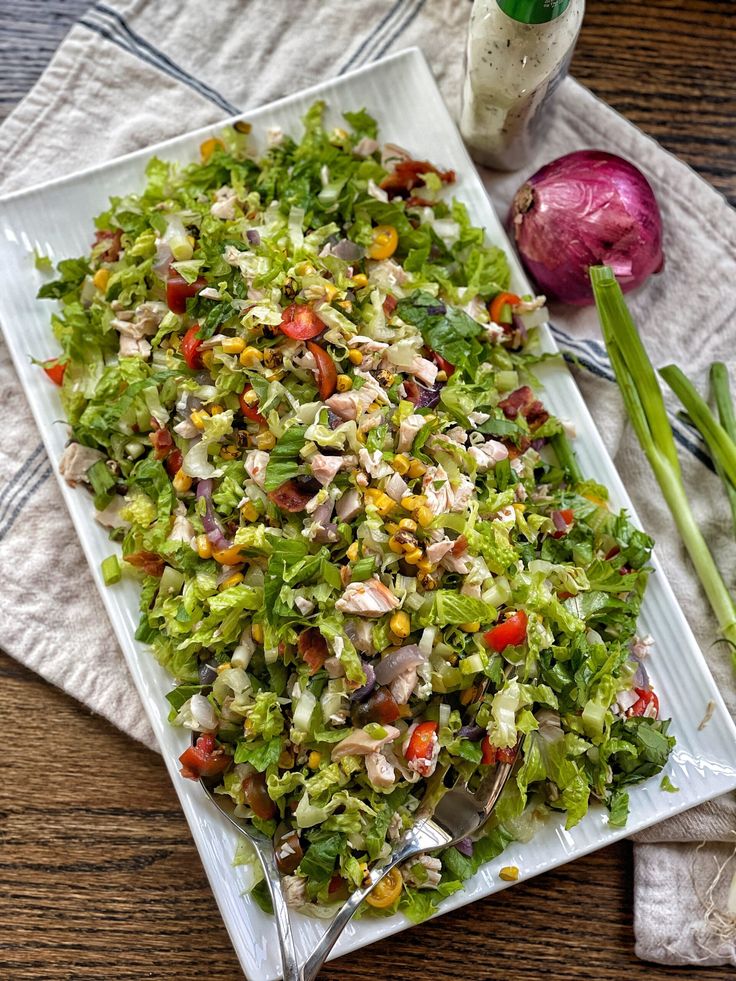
(533,11)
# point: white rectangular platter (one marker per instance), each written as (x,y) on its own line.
(56,220)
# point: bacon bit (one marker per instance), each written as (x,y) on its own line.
(173,462)
(414,202)
(459,546)
(389,305)
(408,175)
(151,562)
(113,240)
(312,648)
(291,497)
(522,401)
(162,442)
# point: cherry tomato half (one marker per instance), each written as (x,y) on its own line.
(173,462)
(568,517)
(499,303)
(384,243)
(54,371)
(647,701)
(250,411)
(326,370)
(421,742)
(492,754)
(178,291)
(507,634)
(256,796)
(387,891)
(301,322)
(205,759)
(190,345)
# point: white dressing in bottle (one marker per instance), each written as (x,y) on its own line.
(518,52)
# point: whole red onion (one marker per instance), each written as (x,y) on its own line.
(586,209)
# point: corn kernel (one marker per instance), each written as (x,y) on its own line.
(400,624)
(414,556)
(182,482)
(401,464)
(360,280)
(272,357)
(509,873)
(265,440)
(229,452)
(256,632)
(314,759)
(223,667)
(191,240)
(470,626)
(380,501)
(395,546)
(215,410)
(330,292)
(233,345)
(344,383)
(233,580)
(417,469)
(352,552)
(374,407)
(441,376)
(424,565)
(251,357)
(408,524)
(249,512)
(427,580)
(518,506)
(413,501)
(204,547)
(305,269)
(100,279)
(227,556)
(208,359)
(208,147)
(346,305)
(286,759)
(250,397)
(391,527)
(355,356)
(424,516)
(338,133)
(198,417)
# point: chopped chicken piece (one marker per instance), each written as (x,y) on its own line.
(367,599)
(110,517)
(75,462)
(458,435)
(349,505)
(374,464)
(408,430)
(527,306)
(488,454)
(256,462)
(182,530)
(438,550)
(396,487)
(334,667)
(324,467)
(429,878)
(366,147)
(295,890)
(403,685)
(441,495)
(225,200)
(380,772)
(361,743)
(424,370)
(304,605)
(134,347)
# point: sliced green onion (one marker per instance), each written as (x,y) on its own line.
(566,457)
(645,406)
(721,389)
(111,570)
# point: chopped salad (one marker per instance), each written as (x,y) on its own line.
(302,399)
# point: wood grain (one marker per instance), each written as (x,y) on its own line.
(99,878)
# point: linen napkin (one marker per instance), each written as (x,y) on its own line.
(140,71)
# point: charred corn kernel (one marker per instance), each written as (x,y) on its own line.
(380,501)
(314,759)
(208,358)
(395,546)
(424,516)
(204,547)
(408,524)
(360,280)
(467,695)
(227,556)
(265,440)
(352,552)
(256,632)
(209,146)
(344,383)
(330,291)
(242,127)
(346,305)
(198,417)
(286,760)
(251,357)
(225,666)
(355,356)
(391,527)
(249,512)
(416,469)
(233,580)
(400,624)
(250,397)
(470,626)
(304,269)
(229,452)
(233,345)
(413,501)
(509,873)
(427,580)
(215,410)
(414,556)
(100,279)
(401,464)
(424,565)
(182,482)
(441,376)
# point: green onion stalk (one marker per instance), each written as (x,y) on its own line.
(721,390)
(645,407)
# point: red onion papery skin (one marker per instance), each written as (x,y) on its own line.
(587,208)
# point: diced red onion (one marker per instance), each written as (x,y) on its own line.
(465,847)
(472,732)
(397,662)
(211,526)
(347,251)
(421,396)
(207,673)
(436,310)
(627,698)
(253,236)
(585,209)
(360,694)
(641,678)
(558,521)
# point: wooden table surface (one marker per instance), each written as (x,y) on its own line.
(99,878)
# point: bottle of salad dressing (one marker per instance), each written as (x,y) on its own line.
(518,52)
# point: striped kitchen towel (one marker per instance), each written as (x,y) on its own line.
(143,70)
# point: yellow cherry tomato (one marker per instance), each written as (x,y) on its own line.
(387,890)
(385,241)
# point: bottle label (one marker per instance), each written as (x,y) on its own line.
(533,11)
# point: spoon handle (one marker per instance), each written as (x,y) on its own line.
(289,962)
